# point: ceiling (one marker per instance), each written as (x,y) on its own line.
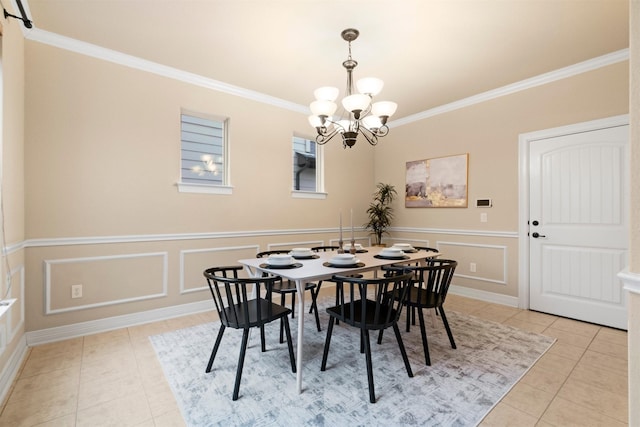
(429,53)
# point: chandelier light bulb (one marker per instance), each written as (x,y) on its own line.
(384,108)
(323,108)
(326,93)
(373,123)
(369,86)
(356,103)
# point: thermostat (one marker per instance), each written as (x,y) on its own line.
(484,203)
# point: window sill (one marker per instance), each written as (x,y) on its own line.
(204,189)
(308,195)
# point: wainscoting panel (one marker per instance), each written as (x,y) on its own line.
(15,315)
(488,261)
(131,277)
(194,261)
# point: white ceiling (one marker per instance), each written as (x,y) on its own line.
(428,52)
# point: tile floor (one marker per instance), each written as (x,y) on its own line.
(114,378)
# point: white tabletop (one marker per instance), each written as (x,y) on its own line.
(313,270)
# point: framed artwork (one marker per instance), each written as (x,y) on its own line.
(437,183)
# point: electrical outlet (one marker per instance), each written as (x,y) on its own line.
(472,267)
(483,217)
(76,291)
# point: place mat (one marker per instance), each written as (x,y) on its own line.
(399,258)
(359,251)
(281,267)
(306,256)
(329,264)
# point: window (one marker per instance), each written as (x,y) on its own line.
(203,154)
(307,176)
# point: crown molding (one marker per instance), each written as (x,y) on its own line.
(83,48)
(98,52)
(542,79)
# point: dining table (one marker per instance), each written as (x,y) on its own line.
(318,267)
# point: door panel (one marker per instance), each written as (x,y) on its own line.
(579,201)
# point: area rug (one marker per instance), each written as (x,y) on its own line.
(458,389)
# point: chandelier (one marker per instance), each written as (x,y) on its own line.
(363,117)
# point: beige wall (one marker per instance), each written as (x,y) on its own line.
(103,144)
(104,147)
(489,133)
(12,142)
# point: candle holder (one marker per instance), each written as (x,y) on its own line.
(340,248)
(352,249)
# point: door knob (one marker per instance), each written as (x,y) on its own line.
(536,235)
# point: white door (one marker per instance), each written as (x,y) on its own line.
(579,225)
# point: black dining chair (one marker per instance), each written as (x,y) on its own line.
(319,285)
(372,304)
(238,309)
(428,289)
(289,287)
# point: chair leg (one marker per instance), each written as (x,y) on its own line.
(293,305)
(367,348)
(263,346)
(215,348)
(243,350)
(446,326)
(314,295)
(425,344)
(327,343)
(289,344)
(282,302)
(380,336)
(314,308)
(338,289)
(409,309)
(396,330)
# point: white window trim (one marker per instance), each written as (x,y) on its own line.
(320,192)
(204,188)
(208,188)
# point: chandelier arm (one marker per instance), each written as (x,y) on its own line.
(323,138)
(371,137)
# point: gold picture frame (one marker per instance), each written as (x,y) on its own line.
(440,182)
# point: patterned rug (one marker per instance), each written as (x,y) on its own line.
(458,389)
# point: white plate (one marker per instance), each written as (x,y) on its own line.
(344,261)
(403,246)
(392,252)
(280,259)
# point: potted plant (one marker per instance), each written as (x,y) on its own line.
(380,211)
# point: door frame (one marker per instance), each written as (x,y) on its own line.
(524,145)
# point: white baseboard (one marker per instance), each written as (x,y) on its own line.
(12,368)
(484,295)
(102,325)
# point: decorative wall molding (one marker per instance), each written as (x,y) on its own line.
(47,280)
(502,281)
(74,241)
(12,368)
(20,323)
(94,51)
(484,295)
(187,252)
(458,232)
(631,281)
(88,49)
(75,330)
(542,79)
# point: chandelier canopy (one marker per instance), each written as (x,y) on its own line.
(363,117)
